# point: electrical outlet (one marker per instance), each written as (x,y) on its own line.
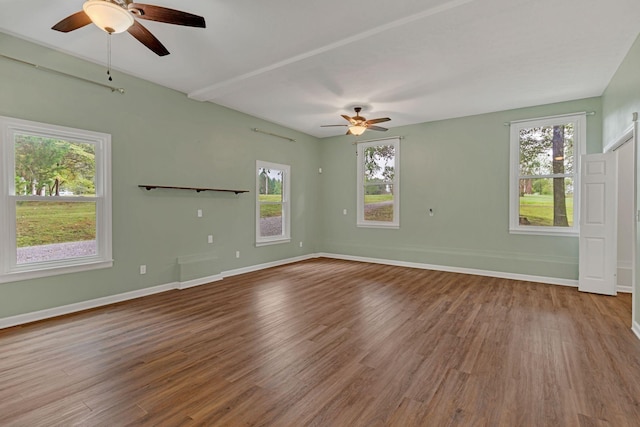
(210,238)
(237,254)
(300,244)
(344,211)
(143,269)
(199,213)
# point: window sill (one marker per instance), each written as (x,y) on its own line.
(272,242)
(378,225)
(37,273)
(539,231)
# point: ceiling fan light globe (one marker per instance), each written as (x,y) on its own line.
(107,16)
(357,130)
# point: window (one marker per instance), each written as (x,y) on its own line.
(56,200)
(544,185)
(379,184)
(272,203)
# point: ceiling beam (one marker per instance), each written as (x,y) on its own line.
(209,93)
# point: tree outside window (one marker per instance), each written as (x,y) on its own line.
(272,203)
(53,226)
(56,210)
(545,177)
(378,184)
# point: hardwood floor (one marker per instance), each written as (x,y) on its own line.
(331,343)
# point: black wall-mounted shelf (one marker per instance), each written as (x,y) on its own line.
(196,189)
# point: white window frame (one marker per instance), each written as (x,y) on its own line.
(361,222)
(285,237)
(580,148)
(10,271)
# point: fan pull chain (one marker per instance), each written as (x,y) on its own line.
(109,56)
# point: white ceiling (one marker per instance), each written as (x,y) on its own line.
(302,64)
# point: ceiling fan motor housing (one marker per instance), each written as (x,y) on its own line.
(358,124)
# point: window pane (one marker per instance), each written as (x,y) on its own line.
(546,202)
(547,150)
(270,185)
(270,219)
(378,191)
(379,164)
(378,202)
(53,230)
(270,201)
(53,167)
(379,172)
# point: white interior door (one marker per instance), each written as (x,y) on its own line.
(598,229)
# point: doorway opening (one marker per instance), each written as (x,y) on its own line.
(626,216)
(626,149)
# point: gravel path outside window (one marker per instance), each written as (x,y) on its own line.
(56,251)
(271,226)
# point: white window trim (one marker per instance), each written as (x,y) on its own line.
(580,148)
(286,205)
(361,222)
(9,270)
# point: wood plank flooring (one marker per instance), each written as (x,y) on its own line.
(331,343)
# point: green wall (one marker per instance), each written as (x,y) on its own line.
(620,100)
(161,137)
(622,97)
(460,169)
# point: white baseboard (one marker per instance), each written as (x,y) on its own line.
(635,327)
(257,267)
(21,319)
(624,289)
(199,281)
(473,271)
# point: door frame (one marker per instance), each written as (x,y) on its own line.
(631,133)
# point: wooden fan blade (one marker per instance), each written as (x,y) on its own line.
(163,14)
(380,120)
(377,128)
(145,37)
(347,118)
(328,126)
(72,22)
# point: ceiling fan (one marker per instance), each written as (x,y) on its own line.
(358,124)
(117,16)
